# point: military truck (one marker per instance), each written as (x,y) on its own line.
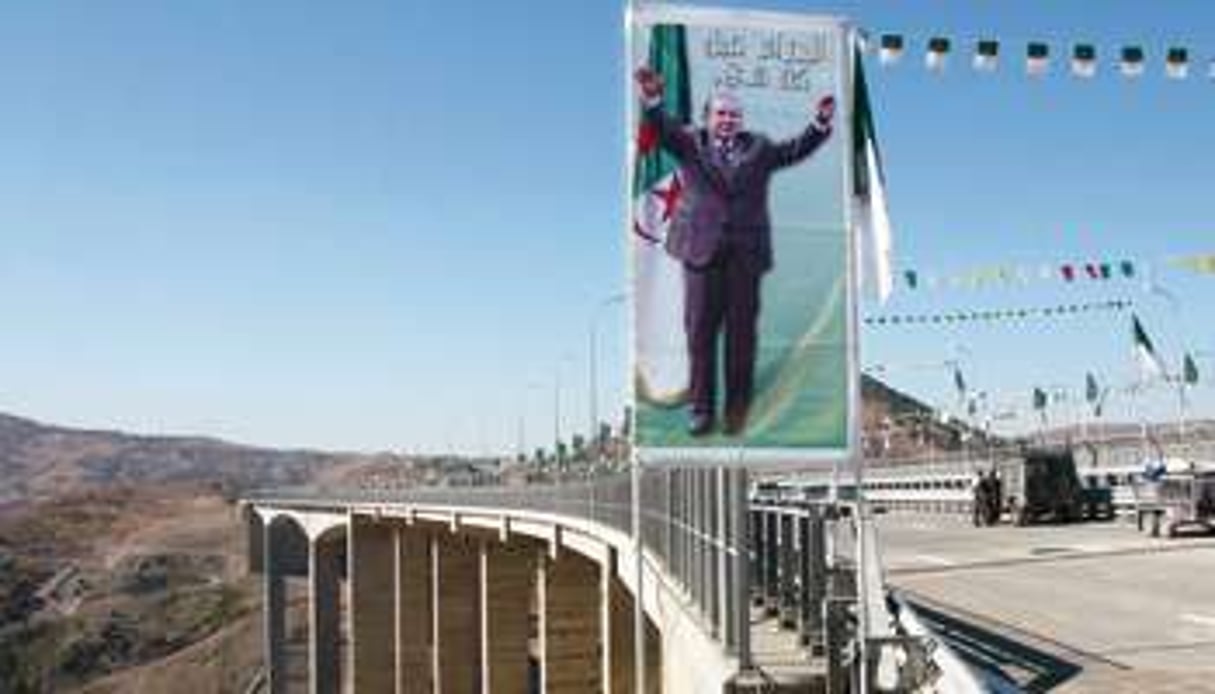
(1042,486)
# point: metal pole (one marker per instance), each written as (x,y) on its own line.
(742,569)
(592,432)
(639,577)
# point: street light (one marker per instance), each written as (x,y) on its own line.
(557,408)
(527,389)
(593,363)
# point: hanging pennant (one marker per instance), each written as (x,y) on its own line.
(986,55)
(1037,59)
(1196,263)
(1084,60)
(1177,64)
(890,49)
(938,52)
(1132,61)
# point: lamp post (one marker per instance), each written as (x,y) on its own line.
(593,366)
(557,409)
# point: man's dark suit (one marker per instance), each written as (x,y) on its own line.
(722,233)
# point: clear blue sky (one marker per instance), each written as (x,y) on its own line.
(388,224)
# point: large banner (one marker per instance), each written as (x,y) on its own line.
(740,250)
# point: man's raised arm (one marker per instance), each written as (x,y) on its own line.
(790,152)
(671,135)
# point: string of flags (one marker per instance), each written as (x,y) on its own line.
(950,317)
(1202,263)
(1084,58)
(1067,272)
(1023,274)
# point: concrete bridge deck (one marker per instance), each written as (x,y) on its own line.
(1072,608)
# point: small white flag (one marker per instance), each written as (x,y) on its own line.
(1132,61)
(1084,61)
(1037,59)
(1177,65)
(938,52)
(890,49)
(987,56)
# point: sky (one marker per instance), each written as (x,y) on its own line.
(397,225)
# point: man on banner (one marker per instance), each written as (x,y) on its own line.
(721,233)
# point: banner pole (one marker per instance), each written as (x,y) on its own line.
(848,83)
(639,650)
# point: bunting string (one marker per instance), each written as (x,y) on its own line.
(1003,315)
(1083,59)
(1077,272)
(1101,270)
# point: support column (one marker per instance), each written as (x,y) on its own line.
(788,572)
(372,603)
(771,587)
(457,613)
(275,606)
(413,619)
(620,643)
(324,616)
(711,530)
(756,562)
(571,624)
(813,569)
(506,574)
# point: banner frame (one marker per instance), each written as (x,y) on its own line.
(760,459)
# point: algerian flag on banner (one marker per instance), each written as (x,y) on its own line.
(1149,362)
(662,367)
(869,185)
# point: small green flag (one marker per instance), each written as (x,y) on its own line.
(1189,370)
(1091,390)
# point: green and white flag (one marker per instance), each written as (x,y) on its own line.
(869,185)
(1189,370)
(662,367)
(1149,362)
(1039,399)
(959,384)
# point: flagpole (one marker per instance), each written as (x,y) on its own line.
(635,476)
(1181,410)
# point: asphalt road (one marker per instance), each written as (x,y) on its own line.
(1082,608)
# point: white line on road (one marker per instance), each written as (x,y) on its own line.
(1204,620)
(934,559)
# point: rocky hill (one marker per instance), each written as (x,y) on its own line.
(39,461)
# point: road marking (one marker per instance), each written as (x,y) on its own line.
(934,559)
(1204,620)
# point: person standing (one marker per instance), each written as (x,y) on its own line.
(721,232)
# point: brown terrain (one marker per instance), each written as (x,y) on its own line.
(122,559)
(122,562)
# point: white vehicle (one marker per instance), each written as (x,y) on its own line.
(1176,498)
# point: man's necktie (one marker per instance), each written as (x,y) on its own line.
(726,150)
